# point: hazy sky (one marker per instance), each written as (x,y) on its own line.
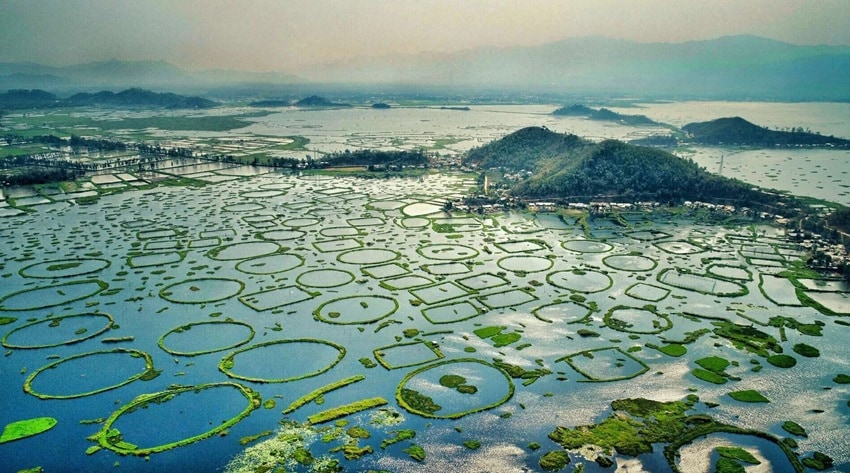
(285,35)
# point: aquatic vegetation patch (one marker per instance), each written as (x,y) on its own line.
(555,460)
(198,340)
(246,250)
(647,292)
(281,235)
(155,259)
(384,270)
(63,330)
(407,354)
(346,410)
(405,282)
(513,297)
(525,264)
(483,281)
(201,290)
(316,393)
(748,395)
(451,313)
(274,298)
(355,310)
(26,428)
(86,360)
(605,364)
(112,439)
(439,292)
(642,320)
(521,246)
(587,246)
(64,268)
(272,264)
(367,256)
(782,361)
(630,262)
(808,351)
(325,278)
(683,278)
(679,247)
(486,397)
(52,296)
(569,312)
(447,252)
(305,359)
(342,244)
(580,280)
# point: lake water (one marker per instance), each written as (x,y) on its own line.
(208,261)
(350,273)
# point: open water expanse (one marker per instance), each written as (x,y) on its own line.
(247,294)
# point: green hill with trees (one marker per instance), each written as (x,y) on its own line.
(738,131)
(604,114)
(567,167)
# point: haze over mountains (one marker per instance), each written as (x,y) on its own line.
(731,67)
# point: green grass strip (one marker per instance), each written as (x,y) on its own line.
(345,410)
(311,396)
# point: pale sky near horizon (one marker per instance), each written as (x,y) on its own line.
(287,35)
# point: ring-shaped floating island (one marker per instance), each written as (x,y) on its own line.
(270,264)
(52,296)
(569,312)
(580,280)
(324,278)
(67,329)
(414,222)
(262,194)
(301,222)
(64,268)
(458,371)
(642,320)
(305,358)
(355,310)
(630,262)
(447,252)
(367,256)
(201,290)
(587,246)
(244,250)
(112,439)
(602,365)
(525,264)
(147,373)
(183,329)
(243,207)
(281,235)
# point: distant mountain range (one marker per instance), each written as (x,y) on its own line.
(731,67)
(37,98)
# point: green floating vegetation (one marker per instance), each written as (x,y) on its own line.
(313,395)
(7,320)
(472,444)
(55,322)
(794,428)
(708,376)
(715,364)
(782,361)
(499,339)
(818,461)
(184,328)
(420,404)
(399,436)
(673,349)
(26,428)
(806,350)
(841,379)
(346,410)
(112,439)
(556,460)
(636,424)
(227,363)
(748,395)
(148,373)
(416,452)
(738,454)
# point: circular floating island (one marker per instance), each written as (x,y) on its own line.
(355,310)
(51,296)
(580,280)
(152,406)
(64,268)
(452,389)
(202,290)
(630,262)
(587,246)
(236,251)
(324,278)
(86,380)
(226,333)
(304,357)
(525,264)
(447,252)
(367,256)
(56,331)
(271,264)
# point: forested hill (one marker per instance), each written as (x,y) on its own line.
(528,149)
(604,114)
(135,97)
(568,167)
(737,131)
